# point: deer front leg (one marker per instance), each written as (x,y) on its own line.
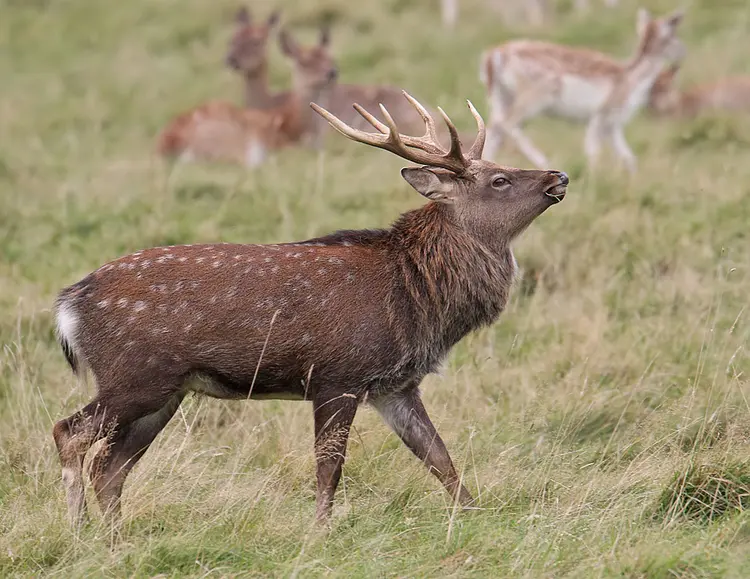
(333,415)
(406,415)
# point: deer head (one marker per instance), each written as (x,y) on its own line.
(247,51)
(492,203)
(658,36)
(665,96)
(314,68)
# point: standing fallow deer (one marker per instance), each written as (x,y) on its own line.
(340,320)
(527,78)
(221,131)
(730,94)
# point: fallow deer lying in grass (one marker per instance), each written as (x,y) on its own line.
(729,94)
(222,131)
(339,320)
(247,55)
(528,78)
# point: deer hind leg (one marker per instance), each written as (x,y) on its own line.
(74,436)
(527,103)
(114,461)
(406,415)
(596,131)
(622,149)
(449,10)
(499,100)
(333,418)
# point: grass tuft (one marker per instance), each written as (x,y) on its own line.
(706,492)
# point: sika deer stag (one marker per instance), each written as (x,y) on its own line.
(338,320)
(221,131)
(527,78)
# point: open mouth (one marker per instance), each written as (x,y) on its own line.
(557,192)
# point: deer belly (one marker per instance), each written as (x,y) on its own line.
(238,387)
(579,98)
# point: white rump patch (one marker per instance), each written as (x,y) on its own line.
(67,324)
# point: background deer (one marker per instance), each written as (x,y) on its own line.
(248,56)
(338,320)
(535,12)
(223,131)
(529,78)
(730,94)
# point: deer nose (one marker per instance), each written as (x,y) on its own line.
(333,74)
(562,176)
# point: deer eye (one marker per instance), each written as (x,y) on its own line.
(499,182)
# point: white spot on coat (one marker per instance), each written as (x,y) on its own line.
(139,306)
(103,304)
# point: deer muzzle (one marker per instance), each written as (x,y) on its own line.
(559,187)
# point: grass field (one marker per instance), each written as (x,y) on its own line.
(603,422)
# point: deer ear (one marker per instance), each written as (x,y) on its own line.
(274,18)
(325,35)
(643,19)
(287,43)
(673,20)
(242,17)
(435,186)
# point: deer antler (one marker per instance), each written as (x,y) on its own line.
(424,150)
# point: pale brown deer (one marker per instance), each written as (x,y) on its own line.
(248,56)
(339,320)
(528,78)
(222,131)
(730,94)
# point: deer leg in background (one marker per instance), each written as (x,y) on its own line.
(449,9)
(536,11)
(529,103)
(622,149)
(499,103)
(406,415)
(333,417)
(112,464)
(595,132)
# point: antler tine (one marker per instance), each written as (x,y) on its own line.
(347,131)
(455,150)
(394,142)
(370,118)
(416,142)
(429,122)
(405,140)
(475,153)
